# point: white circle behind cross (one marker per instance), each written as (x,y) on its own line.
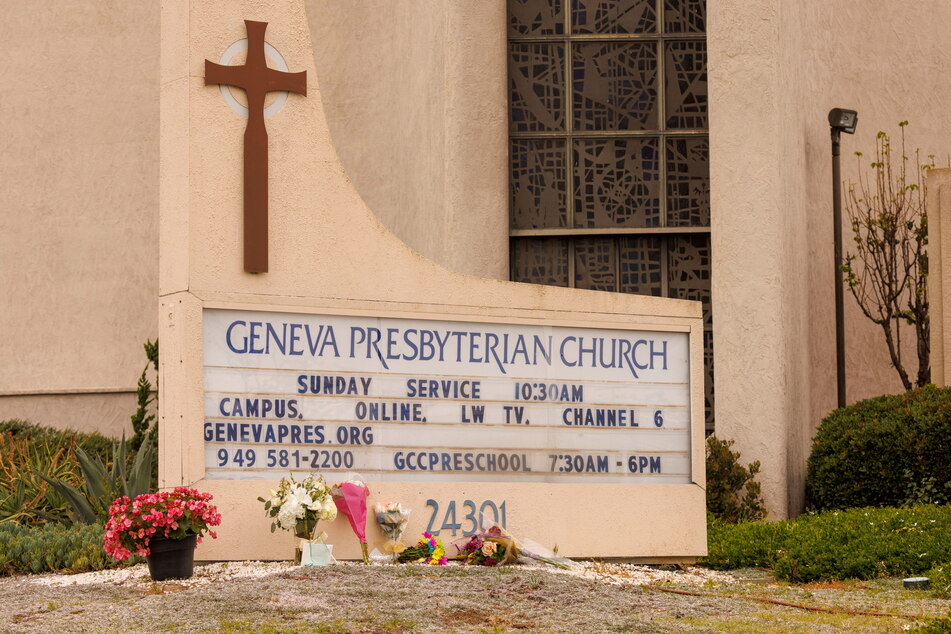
(242,110)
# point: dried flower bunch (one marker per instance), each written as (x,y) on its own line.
(392,518)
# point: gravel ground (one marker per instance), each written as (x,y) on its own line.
(592,597)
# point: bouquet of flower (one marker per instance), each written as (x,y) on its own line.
(429,550)
(170,514)
(495,547)
(491,548)
(351,499)
(392,519)
(298,506)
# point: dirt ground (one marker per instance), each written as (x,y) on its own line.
(356,598)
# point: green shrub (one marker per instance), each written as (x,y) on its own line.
(883,451)
(854,544)
(28,452)
(93,443)
(52,548)
(145,419)
(126,476)
(745,545)
(940,577)
(939,625)
(25,498)
(732,493)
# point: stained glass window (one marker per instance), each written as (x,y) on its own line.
(609,151)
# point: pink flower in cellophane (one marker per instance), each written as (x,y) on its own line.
(351,500)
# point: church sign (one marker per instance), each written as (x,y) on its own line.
(427,400)
(572,418)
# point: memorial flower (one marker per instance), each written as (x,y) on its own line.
(298,506)
(490,548)
(351,499)
(496,547)
(392,519)
(167,514)
(429,550)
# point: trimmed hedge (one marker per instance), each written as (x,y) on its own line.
(53,548)
(854,544)
(883,451)
(745,545)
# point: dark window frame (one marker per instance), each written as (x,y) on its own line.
(562,128)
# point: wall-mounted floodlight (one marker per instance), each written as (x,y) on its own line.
(840,120)
(843,120)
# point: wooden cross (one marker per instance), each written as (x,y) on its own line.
(256,79)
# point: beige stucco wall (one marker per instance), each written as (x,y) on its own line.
(939,278)
(776,68)
(78,208)
(414,92)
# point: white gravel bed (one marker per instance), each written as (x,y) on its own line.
(138,575)
(638,575)
(610,573)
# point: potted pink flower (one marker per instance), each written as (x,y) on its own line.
(164,527)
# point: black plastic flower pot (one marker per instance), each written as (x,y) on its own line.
(172,558)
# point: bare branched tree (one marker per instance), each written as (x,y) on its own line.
(887,273)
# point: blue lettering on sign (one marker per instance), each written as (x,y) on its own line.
(427,351)
(460,461)
(295,339)
(561,351)
(499,350)
(476,515)
(638,343)
(353,435)
(257,337)
(258,408)
(662,354)
(268,433)
(230,340)
(644,464)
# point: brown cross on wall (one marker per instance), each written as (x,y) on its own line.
(256,79)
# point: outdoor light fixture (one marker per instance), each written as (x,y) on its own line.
(840,120)
(843,120)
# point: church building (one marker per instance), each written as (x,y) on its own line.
(663,148)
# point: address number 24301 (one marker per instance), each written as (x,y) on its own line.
(488,513)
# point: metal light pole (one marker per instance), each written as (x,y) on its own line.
(840,120)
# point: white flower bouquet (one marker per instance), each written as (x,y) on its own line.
(298,506)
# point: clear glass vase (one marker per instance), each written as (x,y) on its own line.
(304,529)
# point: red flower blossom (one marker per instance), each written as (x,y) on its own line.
(173,514)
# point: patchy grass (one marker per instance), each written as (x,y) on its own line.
(936,626)
(419,599)
(793,622)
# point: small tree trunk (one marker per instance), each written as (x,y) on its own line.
(895,354)
(923,330)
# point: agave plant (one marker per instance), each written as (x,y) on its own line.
(24,497)
(104,484)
